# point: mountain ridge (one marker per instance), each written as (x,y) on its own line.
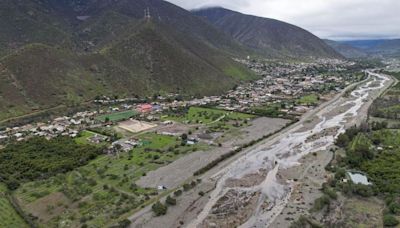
(267,36)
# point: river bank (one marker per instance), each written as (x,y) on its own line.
(283,155)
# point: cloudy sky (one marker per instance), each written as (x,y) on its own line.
(333,19)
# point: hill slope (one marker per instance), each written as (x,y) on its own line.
(68,51)
(346,50)
(386,48)
(267,36)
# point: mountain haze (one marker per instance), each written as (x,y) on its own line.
(267,36)
(385,48)
(346,50)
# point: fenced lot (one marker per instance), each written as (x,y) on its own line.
(135,126)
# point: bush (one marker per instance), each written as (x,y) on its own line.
(159,209)
(124,223)
(330,192)
(170,201)
(394,208)
(362,190)
(320,203)
(342,140)
(186,187)
(178,193)
(390,220)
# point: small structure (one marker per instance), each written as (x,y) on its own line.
(161,187)
(145,108)
(358,178)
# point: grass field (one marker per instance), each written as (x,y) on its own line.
(104,189)
(311,99)
(362,212)
(84,136)
(209,115)
(9,218)
(115,117)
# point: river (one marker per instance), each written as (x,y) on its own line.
(285,153)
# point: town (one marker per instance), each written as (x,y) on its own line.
(285,90)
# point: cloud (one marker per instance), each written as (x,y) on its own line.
(332,19)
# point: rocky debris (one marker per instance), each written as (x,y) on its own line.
(232,210)
(248,180)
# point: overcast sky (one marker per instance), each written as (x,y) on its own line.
(333,19)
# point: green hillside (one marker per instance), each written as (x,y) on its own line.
(67,52)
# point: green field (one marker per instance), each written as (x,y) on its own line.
(311,99)
(115,117)
(9,218)
(209,115)
(270,110)
(84,137)
(104,188)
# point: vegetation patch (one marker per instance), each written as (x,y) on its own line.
(104,190)
(8,215)
(39,158)
(309,100)
(119,116)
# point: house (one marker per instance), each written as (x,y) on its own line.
(145,108)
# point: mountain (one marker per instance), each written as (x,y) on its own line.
(268,36)
(382,47)
(362,44)
(55,52)
(346,50)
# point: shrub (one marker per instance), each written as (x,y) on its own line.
(362,190)
(124,223)
(178,193)
(159,209)
(390,220)
(170,201)
(320,203)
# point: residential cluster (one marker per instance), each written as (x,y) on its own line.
(281,81)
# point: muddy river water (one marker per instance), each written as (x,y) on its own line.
(285,153)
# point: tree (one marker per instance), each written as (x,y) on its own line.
(124,223)
(107,119)
(342,140)
(159,209)
(390,220)
(170,201)
(184,137)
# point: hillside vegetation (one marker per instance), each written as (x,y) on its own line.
(68,52)
(266,36)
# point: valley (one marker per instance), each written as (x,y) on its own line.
(168,113)
(153,149)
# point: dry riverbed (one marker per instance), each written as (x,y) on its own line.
(270,184)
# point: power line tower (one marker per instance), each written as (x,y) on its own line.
(147,15)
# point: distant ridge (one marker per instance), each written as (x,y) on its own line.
(346,50)
(268,36)
(380,47)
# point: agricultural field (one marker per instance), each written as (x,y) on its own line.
(8,216)
(388,106)
(99,193)
(207,115)
(271,110)
(311,99)
(363,212)
(119,116)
